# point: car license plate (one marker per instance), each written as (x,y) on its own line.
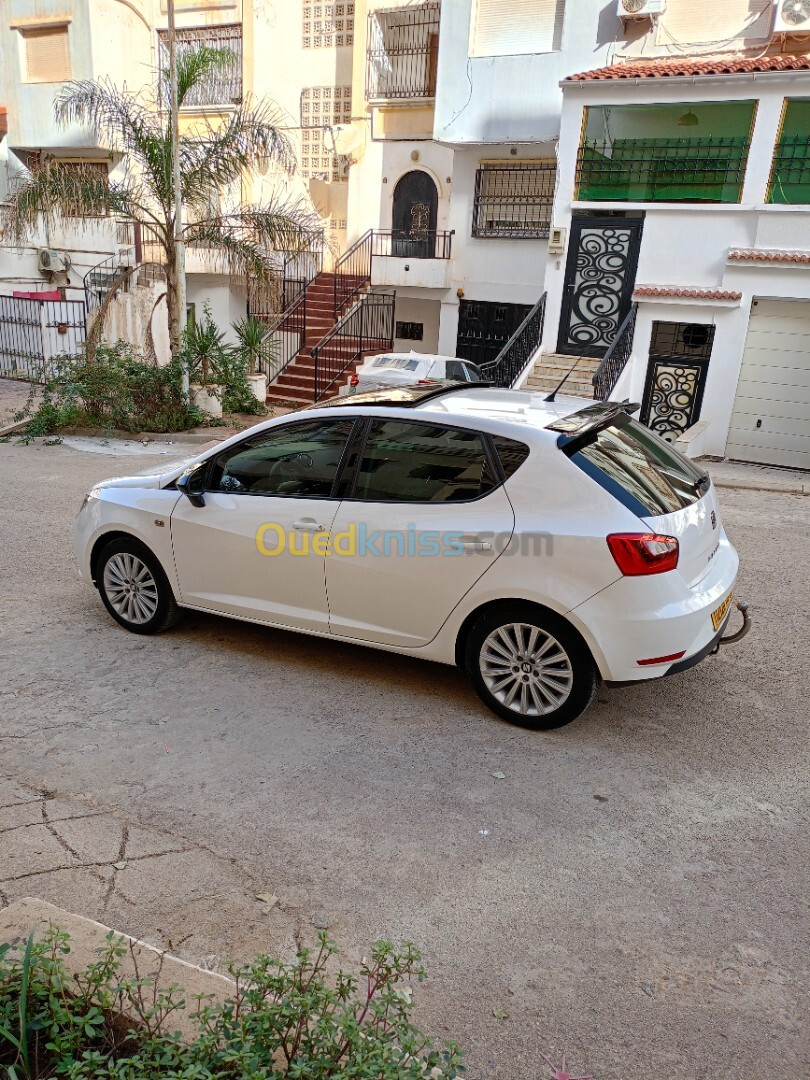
(719,614)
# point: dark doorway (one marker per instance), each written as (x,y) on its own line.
(484,328)
(599,279)
(676,376)
(416,202)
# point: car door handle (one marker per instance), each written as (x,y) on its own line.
(308,525)
(476,545)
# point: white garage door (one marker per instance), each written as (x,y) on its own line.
(771,419)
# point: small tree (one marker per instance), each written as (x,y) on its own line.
(137,126)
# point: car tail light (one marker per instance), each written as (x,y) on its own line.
(643,553)
(354,380)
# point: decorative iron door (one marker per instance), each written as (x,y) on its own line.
(416,203)
(599,279)
(676,376)
(484,328)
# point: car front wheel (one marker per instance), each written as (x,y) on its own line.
(134,588)
(530,667)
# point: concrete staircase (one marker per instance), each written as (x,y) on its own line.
(297,383)
(550,368)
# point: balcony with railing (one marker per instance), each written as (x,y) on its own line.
(419,258)
(790,173)
(402,53)
(223,84)
(694,152)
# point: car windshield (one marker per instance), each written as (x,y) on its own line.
(401,363)
(639,465)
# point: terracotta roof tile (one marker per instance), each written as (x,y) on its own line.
(768,256)
(685,67)
(679,292)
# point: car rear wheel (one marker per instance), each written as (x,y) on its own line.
(134,588)
(530,667)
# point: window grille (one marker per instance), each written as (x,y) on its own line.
(403,52)
(223,85)
(513,199)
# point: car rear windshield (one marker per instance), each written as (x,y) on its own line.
(645,473)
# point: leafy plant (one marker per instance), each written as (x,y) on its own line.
(212,362)
(251,333)
(118,390)
(304,1021)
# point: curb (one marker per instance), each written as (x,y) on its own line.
(88,938)
(753,485)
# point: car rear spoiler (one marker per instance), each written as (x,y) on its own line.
(582,426)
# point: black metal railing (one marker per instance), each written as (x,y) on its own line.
(507,366)
(286,337)
(300,268)
(223,84)
(366,328)
(99,279)
(615,359)
(399,244)
(514,200)
(353,271)
(402,52)
(708,169)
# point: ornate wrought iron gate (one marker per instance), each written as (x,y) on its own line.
(676,376)
(416,202)
(599,279)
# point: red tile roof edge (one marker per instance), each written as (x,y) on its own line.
(683,67)
(768,256)
(679,292)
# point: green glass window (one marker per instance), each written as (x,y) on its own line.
(790,175)
(679,152)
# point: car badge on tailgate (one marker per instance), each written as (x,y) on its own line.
(714,520)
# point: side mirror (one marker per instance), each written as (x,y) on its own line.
(192,484)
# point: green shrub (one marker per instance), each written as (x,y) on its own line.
(118,390)
(302,1021)
(212,362)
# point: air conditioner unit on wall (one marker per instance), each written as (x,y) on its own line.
(792,17)
(640,9)
(53,262)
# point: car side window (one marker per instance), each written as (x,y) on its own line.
(408,462)
(454,369)
(297,459)
(511,453)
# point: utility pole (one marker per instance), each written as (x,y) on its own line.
(179,243)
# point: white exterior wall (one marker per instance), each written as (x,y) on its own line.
(687,245)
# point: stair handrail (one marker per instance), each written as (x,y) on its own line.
(370,323)
(507,366)
(316,249)
(354,265)
(615,359)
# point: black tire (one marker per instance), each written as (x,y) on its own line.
(557,690)
(146,592)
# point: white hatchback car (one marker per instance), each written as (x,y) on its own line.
(541,546)
(400,369)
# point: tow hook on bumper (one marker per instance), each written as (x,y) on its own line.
(742,607)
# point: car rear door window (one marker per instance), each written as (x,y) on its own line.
(643,471)
(511,454)
(297,459)
(408,462)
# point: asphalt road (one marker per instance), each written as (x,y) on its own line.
(632,891)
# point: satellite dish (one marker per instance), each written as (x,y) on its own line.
(342,138)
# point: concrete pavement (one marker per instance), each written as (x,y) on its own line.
(632,891)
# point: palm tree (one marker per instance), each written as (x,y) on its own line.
(137,126)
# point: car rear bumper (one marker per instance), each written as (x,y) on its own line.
(637,620)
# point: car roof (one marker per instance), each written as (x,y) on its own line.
(489,407)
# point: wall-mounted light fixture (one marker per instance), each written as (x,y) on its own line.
(459,293)
(415,155)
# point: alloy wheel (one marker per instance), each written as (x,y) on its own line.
(526,669)
(131,588)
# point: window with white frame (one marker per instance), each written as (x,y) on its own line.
(323,107)
(327,24)
(513,199)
